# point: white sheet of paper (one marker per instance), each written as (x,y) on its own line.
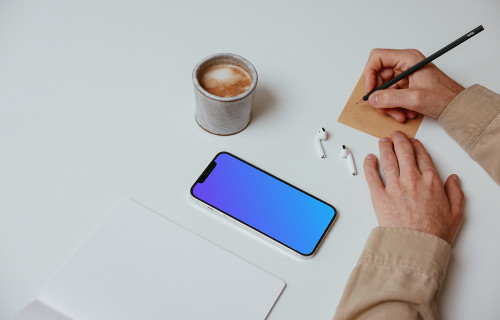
(140,265)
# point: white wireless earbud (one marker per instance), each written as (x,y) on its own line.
(320,136)
(345,153)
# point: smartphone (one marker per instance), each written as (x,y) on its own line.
(272,207)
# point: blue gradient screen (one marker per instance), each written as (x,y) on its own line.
(265,203)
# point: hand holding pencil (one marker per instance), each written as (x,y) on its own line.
(427,91)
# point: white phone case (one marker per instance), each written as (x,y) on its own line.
(260,235)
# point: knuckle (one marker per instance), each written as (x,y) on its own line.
(417,97)
(415,53)
(401,142)
(459,214)
(431,179)
(427,176)
(389,168)
(386,167)
(422,152)
(386,98)
(406,149)
(428,169)
(412,178)
(428,164)
(419,145)
(428,161)
(374,51)
(396,133)
(386,159)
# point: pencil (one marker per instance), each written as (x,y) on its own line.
(422,63)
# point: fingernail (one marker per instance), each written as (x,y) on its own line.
(370,156)
(384,139)
(373,99)
(456,178)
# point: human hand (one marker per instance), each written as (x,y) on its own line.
(427,91)
(413,196)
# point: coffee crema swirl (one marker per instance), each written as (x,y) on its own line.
(226,80)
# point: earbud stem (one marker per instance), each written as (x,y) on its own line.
(319,147)
(351,164)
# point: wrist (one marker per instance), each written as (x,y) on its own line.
(453,91)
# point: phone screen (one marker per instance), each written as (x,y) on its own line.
(265,203)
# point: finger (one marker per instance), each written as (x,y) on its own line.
(388,160)
(456,197)
(372,176)
(373,179)
(378,59)
(423,158)
(410,114)
(399,60)
(403,84)
(405,153)
(411,99)
(398,114)
(385,75)
(393,113)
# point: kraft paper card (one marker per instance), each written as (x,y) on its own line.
(366,118)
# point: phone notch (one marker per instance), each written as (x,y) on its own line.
(207,172)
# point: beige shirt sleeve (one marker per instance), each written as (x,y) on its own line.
(473,120)
(398,276)
(400,271)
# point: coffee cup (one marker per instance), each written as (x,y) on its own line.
(224,89)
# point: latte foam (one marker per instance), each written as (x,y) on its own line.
(226,80)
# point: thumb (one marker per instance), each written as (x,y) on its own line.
(455,196)
(397,98)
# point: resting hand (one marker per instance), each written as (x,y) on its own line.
(413,196)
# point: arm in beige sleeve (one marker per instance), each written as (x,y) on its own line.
(473,120)
(398,276)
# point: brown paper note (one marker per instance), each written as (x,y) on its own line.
(366,118)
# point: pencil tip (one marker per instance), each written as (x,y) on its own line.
(360,101)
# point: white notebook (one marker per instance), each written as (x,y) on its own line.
(140,265)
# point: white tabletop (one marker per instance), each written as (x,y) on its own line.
(96,104)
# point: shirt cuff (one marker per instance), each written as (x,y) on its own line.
(409,250)
(469,113)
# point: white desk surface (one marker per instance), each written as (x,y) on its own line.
(96,103)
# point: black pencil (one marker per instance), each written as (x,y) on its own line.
(422,63)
